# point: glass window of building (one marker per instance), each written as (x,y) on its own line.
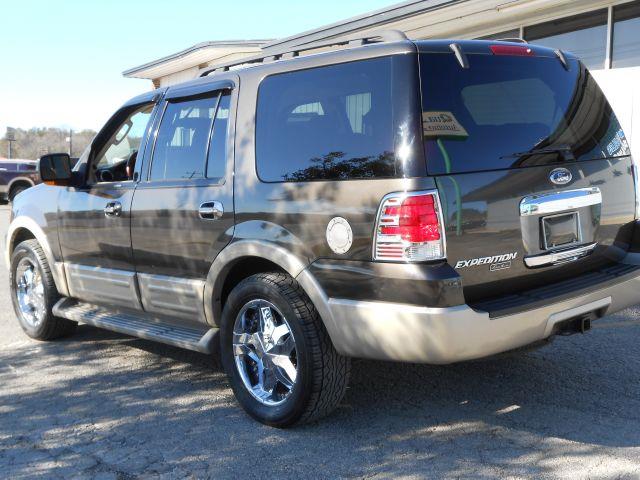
(508,34)
(626,35)
(584,35)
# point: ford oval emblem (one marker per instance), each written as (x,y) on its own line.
(560,176)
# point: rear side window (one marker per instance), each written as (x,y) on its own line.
(181,146)
(327,123)
(217,159)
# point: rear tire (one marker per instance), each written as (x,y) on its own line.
(15,191)
(34,293)
(320,375)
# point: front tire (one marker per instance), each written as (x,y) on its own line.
(34,293)
(280,361)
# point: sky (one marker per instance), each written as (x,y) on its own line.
(62,60)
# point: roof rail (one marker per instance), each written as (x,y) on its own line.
(282,54)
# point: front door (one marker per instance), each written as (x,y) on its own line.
(182,212)
(95,219)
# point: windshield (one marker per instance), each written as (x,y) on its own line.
(509,111)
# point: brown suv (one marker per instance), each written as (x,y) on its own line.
(431,201)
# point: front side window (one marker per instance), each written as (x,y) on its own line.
(583,35)
(329,123)
(181,145)
(122,147)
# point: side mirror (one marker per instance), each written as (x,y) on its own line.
(55,169)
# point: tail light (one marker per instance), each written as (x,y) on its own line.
(515,50)
(409,228)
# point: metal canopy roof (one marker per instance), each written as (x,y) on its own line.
(194,56)
(419,19)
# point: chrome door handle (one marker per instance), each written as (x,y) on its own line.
(113,209)
(211,210)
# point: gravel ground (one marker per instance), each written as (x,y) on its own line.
(103,405)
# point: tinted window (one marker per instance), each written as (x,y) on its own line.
(626,35)
(487,116)
(584,35)
(218,150)
(326,123)
(181,145)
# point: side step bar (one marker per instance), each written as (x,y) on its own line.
(138,325)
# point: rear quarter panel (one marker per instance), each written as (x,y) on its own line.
(297,214)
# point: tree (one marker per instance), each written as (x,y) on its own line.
(35,142)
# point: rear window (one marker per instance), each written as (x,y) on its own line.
(507,111)
(332,123)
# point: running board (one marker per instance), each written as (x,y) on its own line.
(138,325)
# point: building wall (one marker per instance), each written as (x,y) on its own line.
(620,87)
(190,73)
(177,77)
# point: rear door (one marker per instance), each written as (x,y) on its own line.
(182,212)
(532,167)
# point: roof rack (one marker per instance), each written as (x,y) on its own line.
(282,54)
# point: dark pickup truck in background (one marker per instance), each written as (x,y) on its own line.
(17,175)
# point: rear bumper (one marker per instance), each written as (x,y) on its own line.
(409,333)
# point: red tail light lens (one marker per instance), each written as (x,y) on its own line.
(409,228)
(517,50)
(417,219)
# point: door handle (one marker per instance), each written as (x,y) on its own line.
(113,209)
(211,210)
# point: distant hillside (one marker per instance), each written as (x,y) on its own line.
(35,142)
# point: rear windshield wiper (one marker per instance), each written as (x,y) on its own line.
(564,150)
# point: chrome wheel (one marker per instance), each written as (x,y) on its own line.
(30,292)
(264,350)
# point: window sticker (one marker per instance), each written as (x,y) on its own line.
(442,124)
(618,146)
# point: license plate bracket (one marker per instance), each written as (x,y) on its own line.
(560,230)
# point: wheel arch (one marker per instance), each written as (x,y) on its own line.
(249,257)
(25,228)
(19,181)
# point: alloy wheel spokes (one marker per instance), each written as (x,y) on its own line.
(30,292)
(265,352)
